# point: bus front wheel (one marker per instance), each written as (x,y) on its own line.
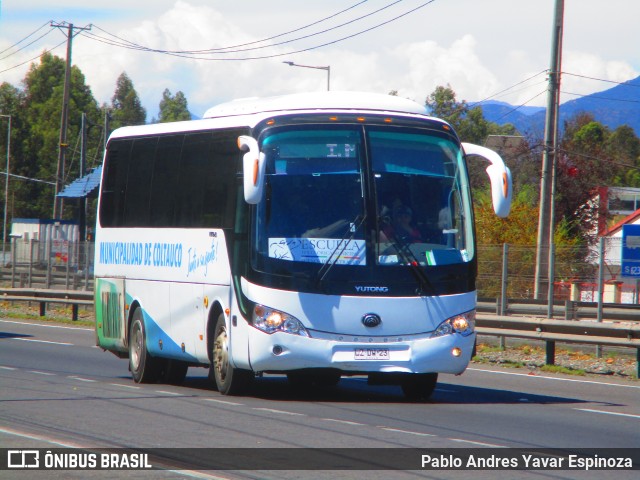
(144,368)
(228,380)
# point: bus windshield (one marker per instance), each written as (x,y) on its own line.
(362,196)
(423,213)
(314,199)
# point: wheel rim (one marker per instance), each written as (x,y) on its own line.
(136,346)
(221,354)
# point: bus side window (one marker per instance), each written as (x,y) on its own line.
(138,195)
(219,187)
(163,183)
(115,183)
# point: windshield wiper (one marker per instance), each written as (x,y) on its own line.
(341,246)
(407,255)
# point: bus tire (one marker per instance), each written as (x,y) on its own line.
(228,380)
(419,386)
(144,368)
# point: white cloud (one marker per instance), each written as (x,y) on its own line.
(477,59)
(589,65)
(425,65)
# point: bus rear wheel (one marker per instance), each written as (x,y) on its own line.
(228,380)
(419,386)
(144,368)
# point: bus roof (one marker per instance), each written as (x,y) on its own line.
(249,112)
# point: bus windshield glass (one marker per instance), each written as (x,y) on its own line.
(314,202)
(361,196)
(424,215)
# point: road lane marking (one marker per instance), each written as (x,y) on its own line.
(43,341)
(39,438)
(282,412)
(134,387)
(346,422)
(224,402)
(481,444)
(80,379)
(166,392)
(48,326)
(604,412)
(543,377)
(2,367)
(410,432)
(37,372)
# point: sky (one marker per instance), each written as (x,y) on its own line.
(483,49)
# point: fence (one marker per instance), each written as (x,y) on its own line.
(581,273)
(60,264)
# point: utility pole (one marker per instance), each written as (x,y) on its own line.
(83,162)
(546,219)
(64,120)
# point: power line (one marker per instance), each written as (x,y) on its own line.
(599,159)
(34,58)
(508,88)
(227,50)
(626,100)
(602,79)
(25,38)
(27,45)
(132,45)
(520,106)
(469,106)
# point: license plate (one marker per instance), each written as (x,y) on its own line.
(371,354)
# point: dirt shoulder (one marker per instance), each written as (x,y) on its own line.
(569,360)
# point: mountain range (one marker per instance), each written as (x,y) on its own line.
(614,107)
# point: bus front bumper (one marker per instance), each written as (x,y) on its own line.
(282,352)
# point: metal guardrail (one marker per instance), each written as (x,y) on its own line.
(552,330)
(43,296)
(569,310)
(28,277)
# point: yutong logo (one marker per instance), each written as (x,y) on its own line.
(371,320)
(364,289)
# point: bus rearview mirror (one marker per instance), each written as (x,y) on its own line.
(499,175)
(253,169)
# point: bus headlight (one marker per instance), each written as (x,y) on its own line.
(464,324)
(270,320)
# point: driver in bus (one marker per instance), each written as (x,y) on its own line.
(400,228)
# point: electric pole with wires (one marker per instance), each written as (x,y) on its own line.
(64,120)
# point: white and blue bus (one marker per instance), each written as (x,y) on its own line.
(312,235)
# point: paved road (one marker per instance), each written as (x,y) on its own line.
(58,390)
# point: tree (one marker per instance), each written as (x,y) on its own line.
(36,148)
(126,108)
(471,126)
(173,108)
(519,231)
(442,103)
(583,164)
(624,146)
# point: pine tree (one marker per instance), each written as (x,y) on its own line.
(173,108)
(126,108)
